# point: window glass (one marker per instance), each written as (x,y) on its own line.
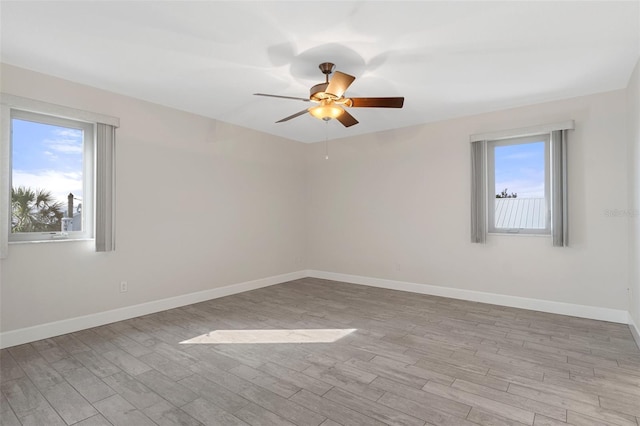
(48,176)
(519,185)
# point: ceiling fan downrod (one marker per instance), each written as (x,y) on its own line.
(326,68)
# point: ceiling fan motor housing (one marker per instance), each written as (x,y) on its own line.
(317,92)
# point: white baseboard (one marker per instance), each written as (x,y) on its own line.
(635,331)
(45,331)
(57,328)
(582,311)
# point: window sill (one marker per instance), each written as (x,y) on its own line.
(517,234)
(57,240)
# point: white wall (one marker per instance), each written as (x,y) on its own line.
(200,204)
(245,205)
(633,114)
(395,206)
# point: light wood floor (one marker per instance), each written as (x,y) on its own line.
(412,360)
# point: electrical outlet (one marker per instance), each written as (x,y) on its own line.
(124,286)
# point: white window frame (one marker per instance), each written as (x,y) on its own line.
(88,162)
(491,190)
(558,133)
(104,180)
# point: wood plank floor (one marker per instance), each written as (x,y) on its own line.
(405,359)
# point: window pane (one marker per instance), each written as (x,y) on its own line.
(520,186)
(47,166)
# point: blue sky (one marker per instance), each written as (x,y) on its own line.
(520,168)
(47,157)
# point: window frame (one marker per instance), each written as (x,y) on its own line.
(491,190)
(88,162)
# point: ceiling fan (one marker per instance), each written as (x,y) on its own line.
(330,97)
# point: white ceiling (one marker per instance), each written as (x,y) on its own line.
(448,59)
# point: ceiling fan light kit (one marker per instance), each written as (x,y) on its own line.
(330,97)
(326,110)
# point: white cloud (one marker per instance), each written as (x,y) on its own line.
(66,132)
(64,146)
(50,155)
(60,184)
(67,141)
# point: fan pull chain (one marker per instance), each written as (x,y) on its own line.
(326,140)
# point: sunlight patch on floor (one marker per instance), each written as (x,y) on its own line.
(322,335)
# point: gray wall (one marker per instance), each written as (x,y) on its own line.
(633,115)
(203,204)
(200,204)
(395,205)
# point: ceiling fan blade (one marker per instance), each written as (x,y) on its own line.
(376,102)
(297,114)
(346,119)
(339,83)
(283,97)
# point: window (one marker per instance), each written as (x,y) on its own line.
(518,184)
(52,171)
(58,165)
